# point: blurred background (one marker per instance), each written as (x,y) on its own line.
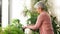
(22,12)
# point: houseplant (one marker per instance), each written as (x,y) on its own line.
(14,28)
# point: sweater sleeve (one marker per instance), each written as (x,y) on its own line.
(38,23)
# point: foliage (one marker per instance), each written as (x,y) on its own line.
(0,29)
(14,28)
(1,32)
(33,17)
(32,14)
(54,21)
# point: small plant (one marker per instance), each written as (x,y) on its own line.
(14,28)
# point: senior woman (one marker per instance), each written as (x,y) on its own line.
(43,22)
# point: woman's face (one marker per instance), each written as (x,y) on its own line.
(38,10)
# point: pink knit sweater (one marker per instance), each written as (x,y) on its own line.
(44,24)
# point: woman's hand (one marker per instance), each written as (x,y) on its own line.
(24,27)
